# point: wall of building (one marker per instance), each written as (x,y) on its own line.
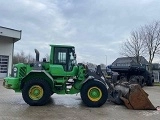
(6,49)
(156,75)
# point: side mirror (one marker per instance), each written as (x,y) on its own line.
(75,55)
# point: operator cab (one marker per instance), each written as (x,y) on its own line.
(64,55)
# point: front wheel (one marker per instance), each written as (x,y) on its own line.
(94,93)
(36,92)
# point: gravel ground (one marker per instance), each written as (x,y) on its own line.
(70,107)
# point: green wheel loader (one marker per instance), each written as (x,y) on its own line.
(62,75)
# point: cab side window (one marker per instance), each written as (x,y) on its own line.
(61,57)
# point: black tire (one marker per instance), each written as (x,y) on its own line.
(137,80)
(150,81)
(114,78)
(85,91)
(134,79)
(30,85)
(141,81)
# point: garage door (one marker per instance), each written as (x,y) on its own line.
(3,66)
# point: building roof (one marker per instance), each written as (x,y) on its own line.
(12,33)
(129,60)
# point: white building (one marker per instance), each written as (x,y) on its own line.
(7,39)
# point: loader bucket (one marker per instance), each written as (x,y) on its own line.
(137,98)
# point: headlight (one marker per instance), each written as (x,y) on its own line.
(15,69)
(39,65)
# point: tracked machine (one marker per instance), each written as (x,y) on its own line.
(62,75)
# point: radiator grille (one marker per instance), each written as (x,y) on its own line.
(22,72)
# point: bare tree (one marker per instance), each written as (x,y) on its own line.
(19,58)
(30,58)
(103,65)
(22,58)
(151,37)
(144,41)
(134,47)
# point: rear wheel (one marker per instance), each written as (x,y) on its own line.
(142,81)
(133,79)
(150,81)
(94,93)
(36,92)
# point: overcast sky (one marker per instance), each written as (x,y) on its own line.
(95,27)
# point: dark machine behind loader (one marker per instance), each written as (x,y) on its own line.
(62,75)
(133,74)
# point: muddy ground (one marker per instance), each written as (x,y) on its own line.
(70,107)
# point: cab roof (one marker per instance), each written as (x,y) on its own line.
(69,46)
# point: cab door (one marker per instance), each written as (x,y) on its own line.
(61,57)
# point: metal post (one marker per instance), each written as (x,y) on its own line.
(106,60)
(158,76)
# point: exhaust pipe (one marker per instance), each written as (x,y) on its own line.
(37,55)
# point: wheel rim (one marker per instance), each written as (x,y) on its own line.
(94,94)
(36,92)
